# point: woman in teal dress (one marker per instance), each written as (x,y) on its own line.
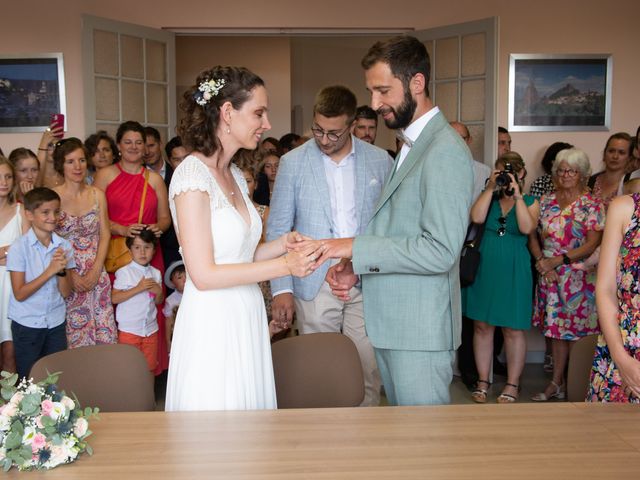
(501,293)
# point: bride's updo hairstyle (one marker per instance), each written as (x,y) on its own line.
(201,104)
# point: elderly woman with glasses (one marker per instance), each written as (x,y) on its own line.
(569,230)
(501,293)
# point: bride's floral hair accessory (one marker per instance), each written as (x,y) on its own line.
(207,90)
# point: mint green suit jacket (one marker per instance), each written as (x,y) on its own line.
(408,257)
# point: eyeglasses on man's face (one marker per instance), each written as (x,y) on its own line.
(332,136)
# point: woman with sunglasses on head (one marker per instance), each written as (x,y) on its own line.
(570,229)
(501,293)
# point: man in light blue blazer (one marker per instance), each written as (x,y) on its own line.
(408,258)
(328,188)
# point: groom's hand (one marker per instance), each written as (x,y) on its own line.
(341,279)
(335,248)
(282,309)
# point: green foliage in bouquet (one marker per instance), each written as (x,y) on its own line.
(40,427)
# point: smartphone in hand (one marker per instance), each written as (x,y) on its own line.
(57,121)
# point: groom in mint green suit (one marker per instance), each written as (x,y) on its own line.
(408,257)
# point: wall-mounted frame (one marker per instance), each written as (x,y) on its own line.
(559,92)
(31,89)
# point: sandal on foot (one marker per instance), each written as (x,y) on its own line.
(479,395)
(558,394)
(507,397)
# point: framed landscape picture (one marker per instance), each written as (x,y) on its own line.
(559,92)
(31,90)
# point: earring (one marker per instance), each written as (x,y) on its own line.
(228,130)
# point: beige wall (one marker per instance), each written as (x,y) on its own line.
(268,57)
(546,26)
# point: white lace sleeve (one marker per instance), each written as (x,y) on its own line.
(190,175)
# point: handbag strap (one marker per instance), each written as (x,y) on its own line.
(475,231)
(144,193)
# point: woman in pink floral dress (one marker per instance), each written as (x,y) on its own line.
(84,222)
(570,229)
(615,375)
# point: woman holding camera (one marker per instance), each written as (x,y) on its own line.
(501,293)
(570,229)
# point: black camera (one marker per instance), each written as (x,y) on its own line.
(503,180)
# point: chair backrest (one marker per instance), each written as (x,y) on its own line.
(579,370)
(114,378)
(317,370)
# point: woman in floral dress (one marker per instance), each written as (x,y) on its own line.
(570,228)
(84,222)
(615,375)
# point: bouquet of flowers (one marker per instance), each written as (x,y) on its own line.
(40,427)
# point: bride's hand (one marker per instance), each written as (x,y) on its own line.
(302,262)
(291,240)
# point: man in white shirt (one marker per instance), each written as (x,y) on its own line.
(328,188)
(481,172)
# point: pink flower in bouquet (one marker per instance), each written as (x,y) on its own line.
(39,441)
(9,410)
(47,407)
(80,427)
(17,398)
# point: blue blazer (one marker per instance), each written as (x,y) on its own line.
(300,201)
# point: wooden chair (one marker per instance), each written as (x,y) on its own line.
(114,378)
(579,370)
(317,370)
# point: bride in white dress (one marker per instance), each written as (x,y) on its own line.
(221,353)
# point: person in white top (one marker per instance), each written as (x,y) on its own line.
(137,290)
(13,224)
(174,278)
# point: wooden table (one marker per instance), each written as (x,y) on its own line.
(541,441)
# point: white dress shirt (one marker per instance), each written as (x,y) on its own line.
(138,314)
(342,189)
(171,302)
(413,131)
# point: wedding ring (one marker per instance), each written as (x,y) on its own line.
(48,129)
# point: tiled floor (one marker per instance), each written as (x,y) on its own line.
(533,380)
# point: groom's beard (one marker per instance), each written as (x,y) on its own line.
(403,115)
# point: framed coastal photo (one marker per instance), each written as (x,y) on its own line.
(31,90)
(559,92)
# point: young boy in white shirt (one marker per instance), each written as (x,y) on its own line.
(174,278)
(137,290)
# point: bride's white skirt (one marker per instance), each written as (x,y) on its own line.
(221,352)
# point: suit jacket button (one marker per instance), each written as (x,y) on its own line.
(376,269)
(371,269)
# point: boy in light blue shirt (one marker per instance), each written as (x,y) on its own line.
(38,263)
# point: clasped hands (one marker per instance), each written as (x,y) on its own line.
(310,254)
(546,267)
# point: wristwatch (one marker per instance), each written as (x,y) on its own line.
(62,273)
(565,259)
